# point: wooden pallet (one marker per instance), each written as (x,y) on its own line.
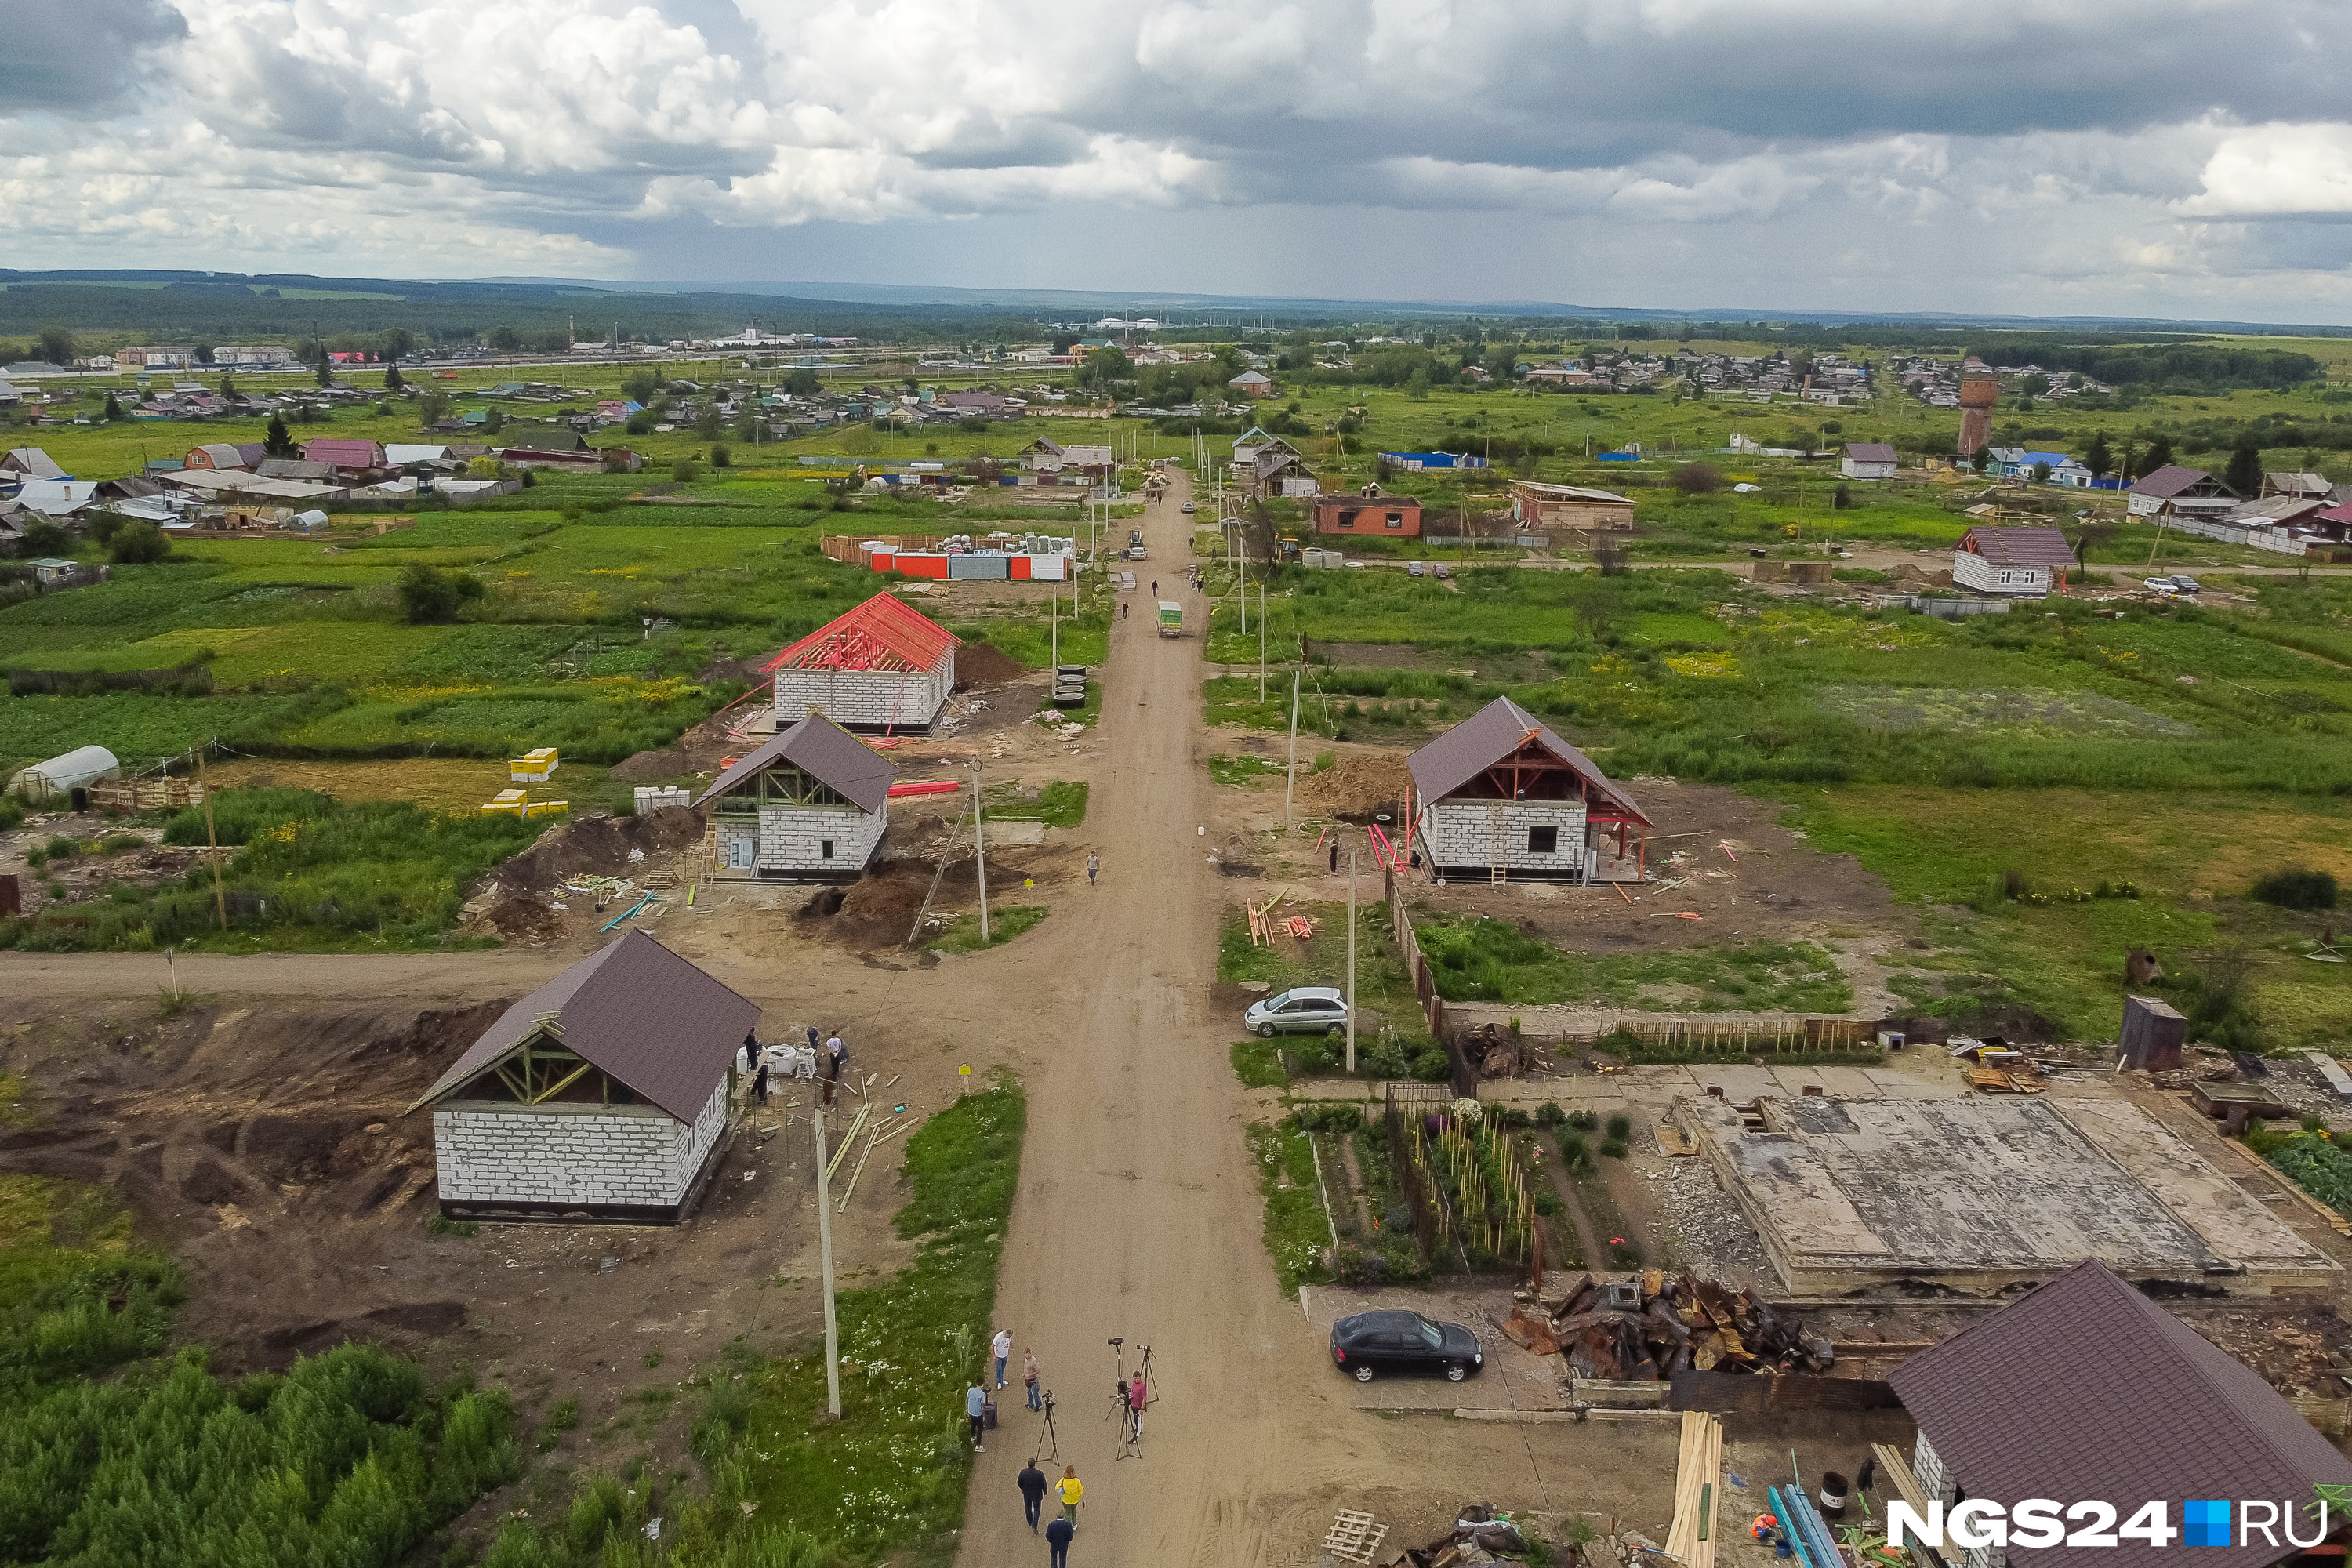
(1354,1536)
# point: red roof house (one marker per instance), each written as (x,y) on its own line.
(882,666)
(346,455)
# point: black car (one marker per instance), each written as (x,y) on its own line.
(1373,1343)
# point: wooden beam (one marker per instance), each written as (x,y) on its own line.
(566,1081)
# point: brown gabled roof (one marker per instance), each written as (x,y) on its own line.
(1488,736)
(638,1011)
(2086,1388)
(827,753)
(2168,481)
(1871,451)
(2020,546)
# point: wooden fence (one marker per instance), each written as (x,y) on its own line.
(1424,987)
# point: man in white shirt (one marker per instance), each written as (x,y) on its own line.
(1002,1348)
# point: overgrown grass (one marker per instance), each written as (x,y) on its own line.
(1297,1235)
(307,870)
(1058,803)
(1478,958)
(1004,925)
(1258,1064)
(1241,770)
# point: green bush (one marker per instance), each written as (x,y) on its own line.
(1432,1066)
(2298,888)
(138,543)
(1614,1148)
(1621,1127)
(1550,1114)
(428,594)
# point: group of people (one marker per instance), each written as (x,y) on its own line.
(1033,1482)
(801,1062)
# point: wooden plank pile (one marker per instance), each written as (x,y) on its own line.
(1657,1325)
(1698,1476)
(1261,928)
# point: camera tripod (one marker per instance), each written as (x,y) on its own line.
(1130,1420)
(1053,1438)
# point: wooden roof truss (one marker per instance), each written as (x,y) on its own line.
(540,1068)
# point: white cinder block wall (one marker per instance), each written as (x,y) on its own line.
(1970,570)
(909,699)
(793,838)
(1461,833)
(572,1156)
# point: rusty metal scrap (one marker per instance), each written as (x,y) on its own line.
(1684,1323)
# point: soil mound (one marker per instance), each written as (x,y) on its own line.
(523,919)
(876,911)
(737,670)
(651,767)
(597,845)
(979,664)
(1360,786)
(1905,575)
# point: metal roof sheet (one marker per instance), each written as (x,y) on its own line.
(1869,451)
(638,1011)
(1489,735)
(827,753)
(2168,480)
(2020,546)
(883,633)
(2086,1388)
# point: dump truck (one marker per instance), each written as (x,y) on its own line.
(1171,618)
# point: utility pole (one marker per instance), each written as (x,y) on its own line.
(212,846)
(824,1248)
(1290,776)
(1261,636)
(1351,975)
(980,852)
(1053,603)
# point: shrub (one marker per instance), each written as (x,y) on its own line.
(1574,1152)
(1583,1121)
(1696,478)
(1621,1127)
(1550,1114)
(721,457)
(428,594)
(1432,1066)
(1614,1148)
(2297,887)
(686,470)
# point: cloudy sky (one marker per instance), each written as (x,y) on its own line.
(2145,157)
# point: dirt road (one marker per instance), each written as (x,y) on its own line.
(1139,1216)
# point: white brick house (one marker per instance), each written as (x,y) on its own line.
(881,667)
(2014,562)
(1499,797)
(809,805)
(602,1095)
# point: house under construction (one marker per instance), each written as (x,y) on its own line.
(1501,798)
(881,668)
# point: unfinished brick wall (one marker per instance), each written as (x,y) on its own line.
(793,838)
(1474,834)
(905,700)
(572,1156)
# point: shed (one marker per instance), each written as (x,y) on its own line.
(1369,511)
(810,806)
(2083,1388)
(2020,563)
(2152,1034)
(1500,796)
(1546,507)
(1867,461)
(882,666)
(602,1095)
(62,777)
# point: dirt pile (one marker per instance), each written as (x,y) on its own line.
(597,845)
(524,919)
(742,670)
(652,767)
(876,911)
(1905,575)
(977,664)
(1360,786)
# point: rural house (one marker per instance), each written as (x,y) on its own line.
(2022,563)
(351,458)
(2302,485)
(883,666)
(1551,508)
(602,1095)
(30,463)
(1252,383)
(2175,490)
(2083,1388)
(1500,796)
(224,455)
(1867,461)
(1370,510)
(809,805)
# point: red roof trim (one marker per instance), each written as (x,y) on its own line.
(883,633)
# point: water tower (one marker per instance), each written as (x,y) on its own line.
(1979,391)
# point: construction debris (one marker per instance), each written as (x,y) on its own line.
(1354,1536)
(1480,1535)
(1653,1326)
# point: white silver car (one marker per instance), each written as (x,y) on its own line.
(1302,1010)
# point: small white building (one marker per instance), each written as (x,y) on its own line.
(810,806)
(61,778)
(2015,562)
(1867,461)
(602,1095)
(882,667)
(1499,797)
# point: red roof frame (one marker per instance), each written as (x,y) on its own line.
(883,633)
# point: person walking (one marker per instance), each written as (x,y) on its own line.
(1335,857)
(1001,1347)
(975,1406)
(1123,608)
(1137,1396)
(760,1084)
(1094,864)
(839,1052)
(1029,1377)
(1058,1544)
(1032,1482)
(1072,1492)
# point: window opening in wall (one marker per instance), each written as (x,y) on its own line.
(825,848)
(1543,840)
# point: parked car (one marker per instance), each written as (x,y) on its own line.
(1444,570)
(1413,568)
(2186,584)
(2164,586)
(1135,553)
(1188,506)
(1372,1342)
(1302,1010)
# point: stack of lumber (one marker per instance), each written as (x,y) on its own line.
(1261,929)
(1698,1476)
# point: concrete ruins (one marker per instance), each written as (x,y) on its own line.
(1982,1193)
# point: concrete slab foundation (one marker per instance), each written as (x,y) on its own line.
(1979,1193)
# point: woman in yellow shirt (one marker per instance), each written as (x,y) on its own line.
(1070,1489)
